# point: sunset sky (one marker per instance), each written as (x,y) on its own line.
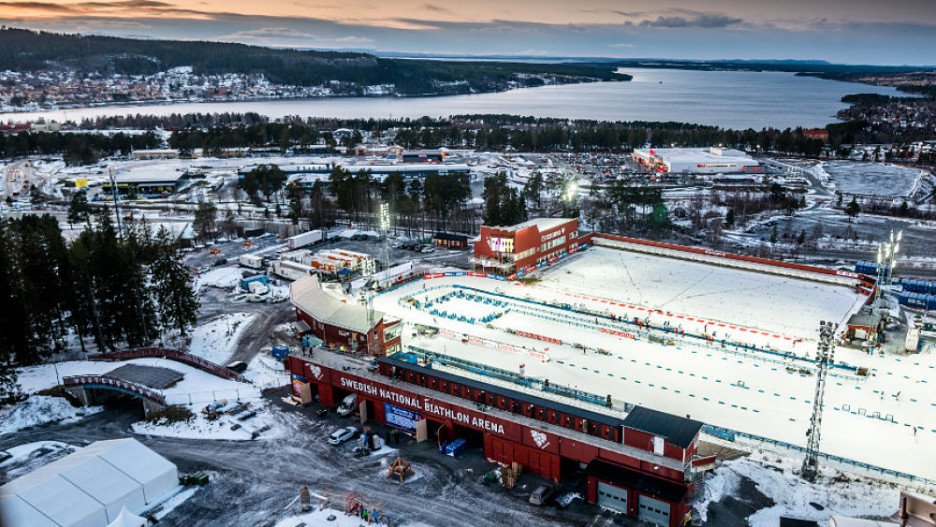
(852,31)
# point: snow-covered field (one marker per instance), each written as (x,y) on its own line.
(774,477)
(887,419)
(873,178)
(39,410)
(267,424)
(214,340)
(766,302)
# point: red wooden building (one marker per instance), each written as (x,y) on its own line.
(342,325)
(518,248)
(639,465)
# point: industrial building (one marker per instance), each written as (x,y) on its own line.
(92,487)
(148,181)
(522,248)
(695,161)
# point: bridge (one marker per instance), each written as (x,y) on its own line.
(79,386)
(170,354)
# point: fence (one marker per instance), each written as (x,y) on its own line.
(103,381)
(176,355)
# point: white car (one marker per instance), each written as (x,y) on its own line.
(342,435)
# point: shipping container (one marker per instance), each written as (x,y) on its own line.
(304,239)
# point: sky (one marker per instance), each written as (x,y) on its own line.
(847,31)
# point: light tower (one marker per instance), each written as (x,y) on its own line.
(384,223)
(824,358)
(887,258)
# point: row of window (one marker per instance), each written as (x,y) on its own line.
(591,427)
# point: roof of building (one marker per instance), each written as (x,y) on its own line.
(543,224)
(698,155)
(89,487)
(646,484)
(506,392)
(306,294)
(151,376)
(679,431)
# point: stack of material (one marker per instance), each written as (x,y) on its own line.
(510,474)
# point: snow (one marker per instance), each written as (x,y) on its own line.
(197,387)
(267,419)
(319,517)
(774,476)
(868,419)
(27,457)
(214,340)
(715,293)
(873,178)
(39,410)
(221,277)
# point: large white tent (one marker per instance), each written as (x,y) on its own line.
(90,487)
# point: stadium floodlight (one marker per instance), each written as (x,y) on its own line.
(571,190)
(383,217)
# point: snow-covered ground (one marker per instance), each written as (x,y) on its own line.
(267,424)
(197,387)
(766,302)
(26,457)
(214,340)
(774,477)
(327,517)
(869,419)
(873,178)
(39,410)
(221,277)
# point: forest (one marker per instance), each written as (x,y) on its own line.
(25,50)
(108,288)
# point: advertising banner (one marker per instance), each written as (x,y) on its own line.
(401,418)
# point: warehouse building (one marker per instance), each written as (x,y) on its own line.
(695,161)
(89,488)
(523,248)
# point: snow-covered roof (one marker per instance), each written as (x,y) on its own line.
(90,487)
(127,519)
(543,224)
(306,294)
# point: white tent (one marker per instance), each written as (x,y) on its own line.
(89,488)
(127,519)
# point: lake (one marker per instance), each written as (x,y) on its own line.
(731,99)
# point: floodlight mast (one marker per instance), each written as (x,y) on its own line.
(824,358)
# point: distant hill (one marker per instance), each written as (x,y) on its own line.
(26,50)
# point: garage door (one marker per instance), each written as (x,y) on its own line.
(653,511)
(611,497)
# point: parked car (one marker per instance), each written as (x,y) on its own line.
(348,405)
(342,435)
(542,495)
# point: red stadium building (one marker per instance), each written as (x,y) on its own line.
(640,465)
(341,325)
(523,247)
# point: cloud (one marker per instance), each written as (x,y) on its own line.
(700,20)
(284,36)
(435,8)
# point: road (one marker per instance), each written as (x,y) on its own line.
(253,481)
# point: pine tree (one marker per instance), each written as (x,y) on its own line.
(206,217)
(172,288)
(78,209)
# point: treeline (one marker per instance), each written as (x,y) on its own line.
(76,148)
(437,201)
(32,50)
(102,289)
